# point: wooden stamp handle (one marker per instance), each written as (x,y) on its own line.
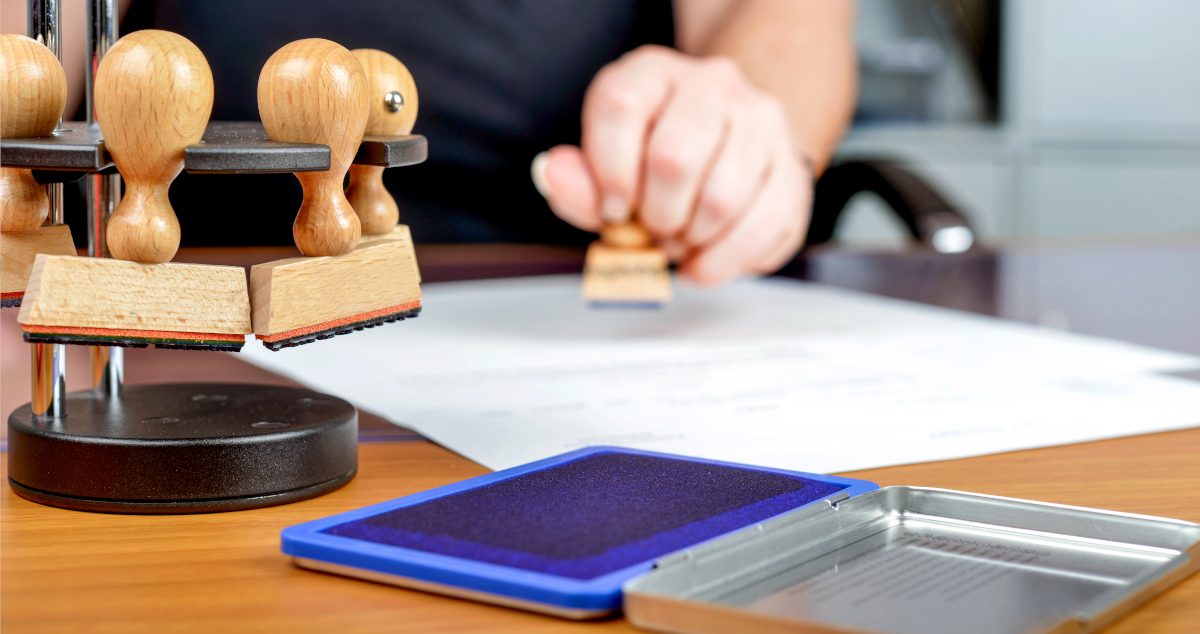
(23,200)
(154,94)
(627,236)
(376,209)
(33,93)
(315,91)
(392,96)
(325,224)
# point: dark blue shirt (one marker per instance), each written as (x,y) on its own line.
(499,81)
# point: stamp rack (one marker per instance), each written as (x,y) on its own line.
(169,448)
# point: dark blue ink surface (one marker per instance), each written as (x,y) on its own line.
(591,516)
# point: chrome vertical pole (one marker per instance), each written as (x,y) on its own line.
(103,190)
(43,24)
(48,359)
(49,379)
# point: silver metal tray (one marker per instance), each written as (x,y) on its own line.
(919,561)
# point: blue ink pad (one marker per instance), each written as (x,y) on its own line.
(559,535)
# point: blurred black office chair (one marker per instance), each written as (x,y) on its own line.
(928,216)
(944,266)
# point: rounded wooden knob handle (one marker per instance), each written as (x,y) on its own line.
(392,96)
(154,94)
(627,236)
(24,204)
(391,93)
(33,93)
(315,91)
(33,88)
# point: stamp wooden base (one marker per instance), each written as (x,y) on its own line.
(184,448)
(622,276)
(18,250)
(302,293)
(68,292)
(399,232)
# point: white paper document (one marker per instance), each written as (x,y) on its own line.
(769,372)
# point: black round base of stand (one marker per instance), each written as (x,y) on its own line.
(184,448)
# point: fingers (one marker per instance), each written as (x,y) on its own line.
(706,158)
(619,110)
(562,176)
(682,145)
(767,233)
(736,174)
(772,260)
(675,249)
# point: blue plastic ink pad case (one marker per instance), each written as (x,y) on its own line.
(560,535)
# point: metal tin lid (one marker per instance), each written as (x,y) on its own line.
(920,561)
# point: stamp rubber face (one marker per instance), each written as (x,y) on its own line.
(591,516)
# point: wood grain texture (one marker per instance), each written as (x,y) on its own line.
(105,293)
(376,209)
(386,74)
(33,93)
(625,275)
(70,571)
(372,202)
(299,292)
(33,88)
(399,232)
(24,204)
(154,94)
(315,91)
(19,249)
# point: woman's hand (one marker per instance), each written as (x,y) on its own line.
(707,160)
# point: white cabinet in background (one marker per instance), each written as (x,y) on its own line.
(1100,130)
(1110,191)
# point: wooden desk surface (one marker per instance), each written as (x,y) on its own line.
(71,571)
(66,571)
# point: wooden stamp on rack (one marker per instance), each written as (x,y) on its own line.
(154,94)
(392,96)
(316,91)
(165,447)
(624,270)
(392,100)
(33,93)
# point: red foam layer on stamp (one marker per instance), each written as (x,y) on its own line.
(127,333)
(339,322)
(12,295)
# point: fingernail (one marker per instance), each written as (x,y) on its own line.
(537,170)
(615,209)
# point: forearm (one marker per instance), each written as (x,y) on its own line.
(802,51)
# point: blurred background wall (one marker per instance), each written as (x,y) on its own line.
(1040,118)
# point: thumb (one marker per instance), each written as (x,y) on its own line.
(561,174)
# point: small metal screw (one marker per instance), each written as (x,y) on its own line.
(394,101)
